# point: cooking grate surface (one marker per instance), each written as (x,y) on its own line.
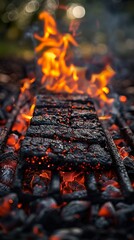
(68,178)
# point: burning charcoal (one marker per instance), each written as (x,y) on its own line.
(78,195)
(83,114)
(50,218)
(121,205)
(7,174)
(101,223)
(8,168)
(84,123)
(67,234)
(125,214)
(91,186)
(107,210)
(30,221)
(63,97)
(2,115)
(62,137)
(39,190)
(76,186)
(99,154)
(65,153)
(50,120)
(43,205)
(91,135)
(8,203)
(48,213)
(39,186)
(13,219)
(54,186)
(4,189)
(39,232)
(76,210)
(111,192)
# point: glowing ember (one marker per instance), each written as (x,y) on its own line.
(22,121)
(123,98)
(104,117)
(72,181)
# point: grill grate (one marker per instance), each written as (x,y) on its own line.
(67,136)
(97,202)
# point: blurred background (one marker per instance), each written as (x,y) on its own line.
(102,26)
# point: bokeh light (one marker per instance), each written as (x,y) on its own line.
(75,11)
(32,6)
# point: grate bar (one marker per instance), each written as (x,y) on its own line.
(119,166)
(126,131)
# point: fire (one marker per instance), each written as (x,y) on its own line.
(23,119)
(99,82)
(72,181)
(29,115)
(58,74)
(104,117)
(26,84)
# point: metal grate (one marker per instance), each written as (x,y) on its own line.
(57,144)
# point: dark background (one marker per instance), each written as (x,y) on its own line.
(107,26)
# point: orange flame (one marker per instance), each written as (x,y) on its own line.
(26,84)
(58,75)
(29,115)
(23,119)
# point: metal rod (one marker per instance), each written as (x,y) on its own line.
(125,129)
(119,166)
(5,131)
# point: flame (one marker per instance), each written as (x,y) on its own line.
(58,75)
(104,117)
(26,84)
(23,119)
(29,115)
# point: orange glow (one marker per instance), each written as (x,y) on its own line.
(29,115)
(26,84)
(5,207)
(106,90)
(13,141)
(23,119)
(104,117)
(123,152)
(72,181)
(106,210)
(123,98)
(45,174)
(98,83)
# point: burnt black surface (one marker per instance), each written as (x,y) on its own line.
(66,135)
